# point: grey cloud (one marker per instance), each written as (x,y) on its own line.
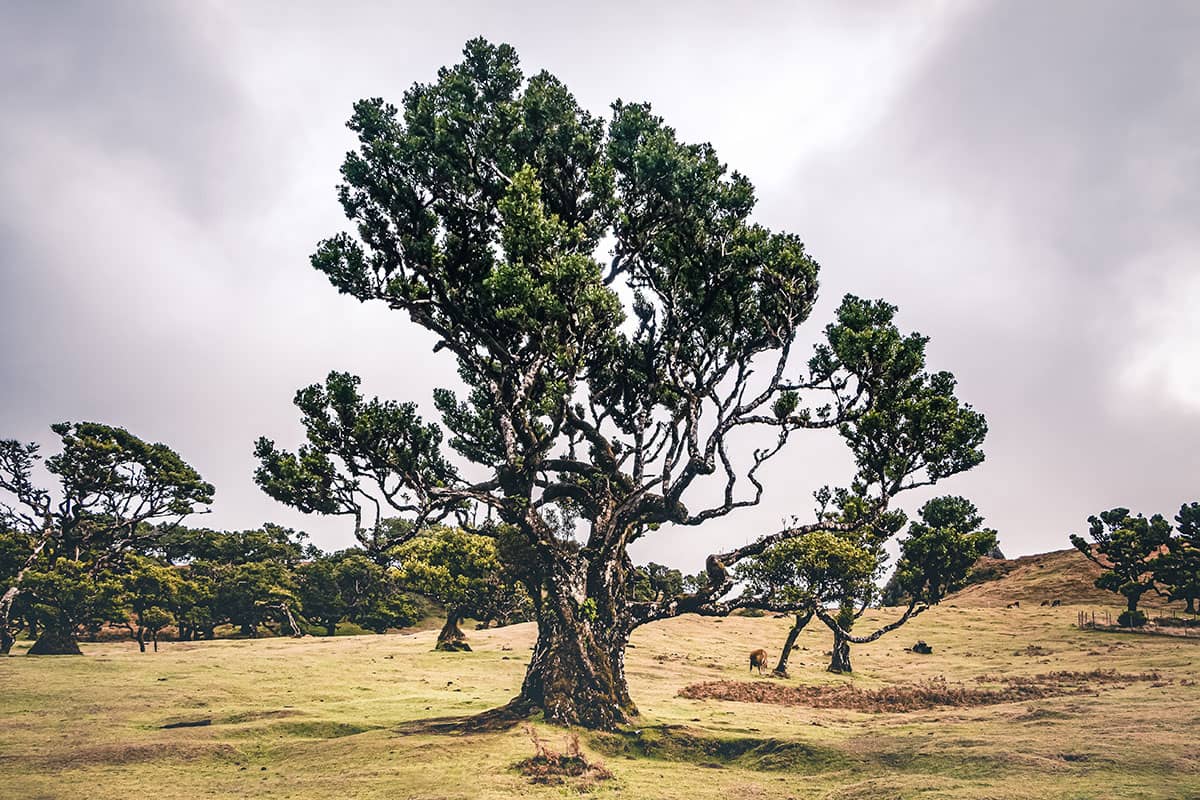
(1005,174)
(1014,201)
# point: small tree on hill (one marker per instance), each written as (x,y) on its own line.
(1128,548)
(1178,570)
(111,486)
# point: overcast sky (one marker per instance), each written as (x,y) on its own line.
(1021,178)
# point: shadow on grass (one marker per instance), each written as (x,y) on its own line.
(493,720)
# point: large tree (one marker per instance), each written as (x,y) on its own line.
(111,486)
(646,391)
(1128,548)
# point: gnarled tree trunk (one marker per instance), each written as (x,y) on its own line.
(802,620)
(56,641)
(451,638)
(840,662)
(577,673)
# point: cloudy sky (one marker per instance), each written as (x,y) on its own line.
(1021,178)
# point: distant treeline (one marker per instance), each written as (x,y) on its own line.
(198,583)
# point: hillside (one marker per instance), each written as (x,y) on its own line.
(1063,575)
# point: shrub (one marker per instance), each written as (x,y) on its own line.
(1131,619)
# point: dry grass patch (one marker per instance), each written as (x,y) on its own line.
(900,698)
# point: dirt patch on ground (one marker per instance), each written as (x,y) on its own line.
(552,768)
(916,696)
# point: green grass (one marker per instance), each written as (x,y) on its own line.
(341,717)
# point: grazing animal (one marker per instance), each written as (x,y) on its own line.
(1014,604)
(1044,603)
(758,658)
(1056,603)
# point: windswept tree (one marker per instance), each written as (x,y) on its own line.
(1127,547)
(111,487)
(619,394)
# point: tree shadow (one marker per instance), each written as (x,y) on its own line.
(494,720)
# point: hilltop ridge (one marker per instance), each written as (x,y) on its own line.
(1063,575)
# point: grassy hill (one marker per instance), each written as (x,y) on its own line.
(1063,575)
(1017,711)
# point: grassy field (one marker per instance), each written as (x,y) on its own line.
(343,717)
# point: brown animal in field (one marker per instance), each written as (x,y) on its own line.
(758,658)
(1014,604)
(1056,603)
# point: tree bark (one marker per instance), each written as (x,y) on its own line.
(840,662)
(141,639)
(577,673)
(802,620)
(330,628)
(56,641)
(451,639)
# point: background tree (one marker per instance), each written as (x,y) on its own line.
(458,569)
(150,593)
(1128,548)
(111,486)
(799,574)
(196,613)
(349,586)
(67,597)
(1178,570)
(833,575)
(252,594)
(16,549)
(654,582)
(614,394)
